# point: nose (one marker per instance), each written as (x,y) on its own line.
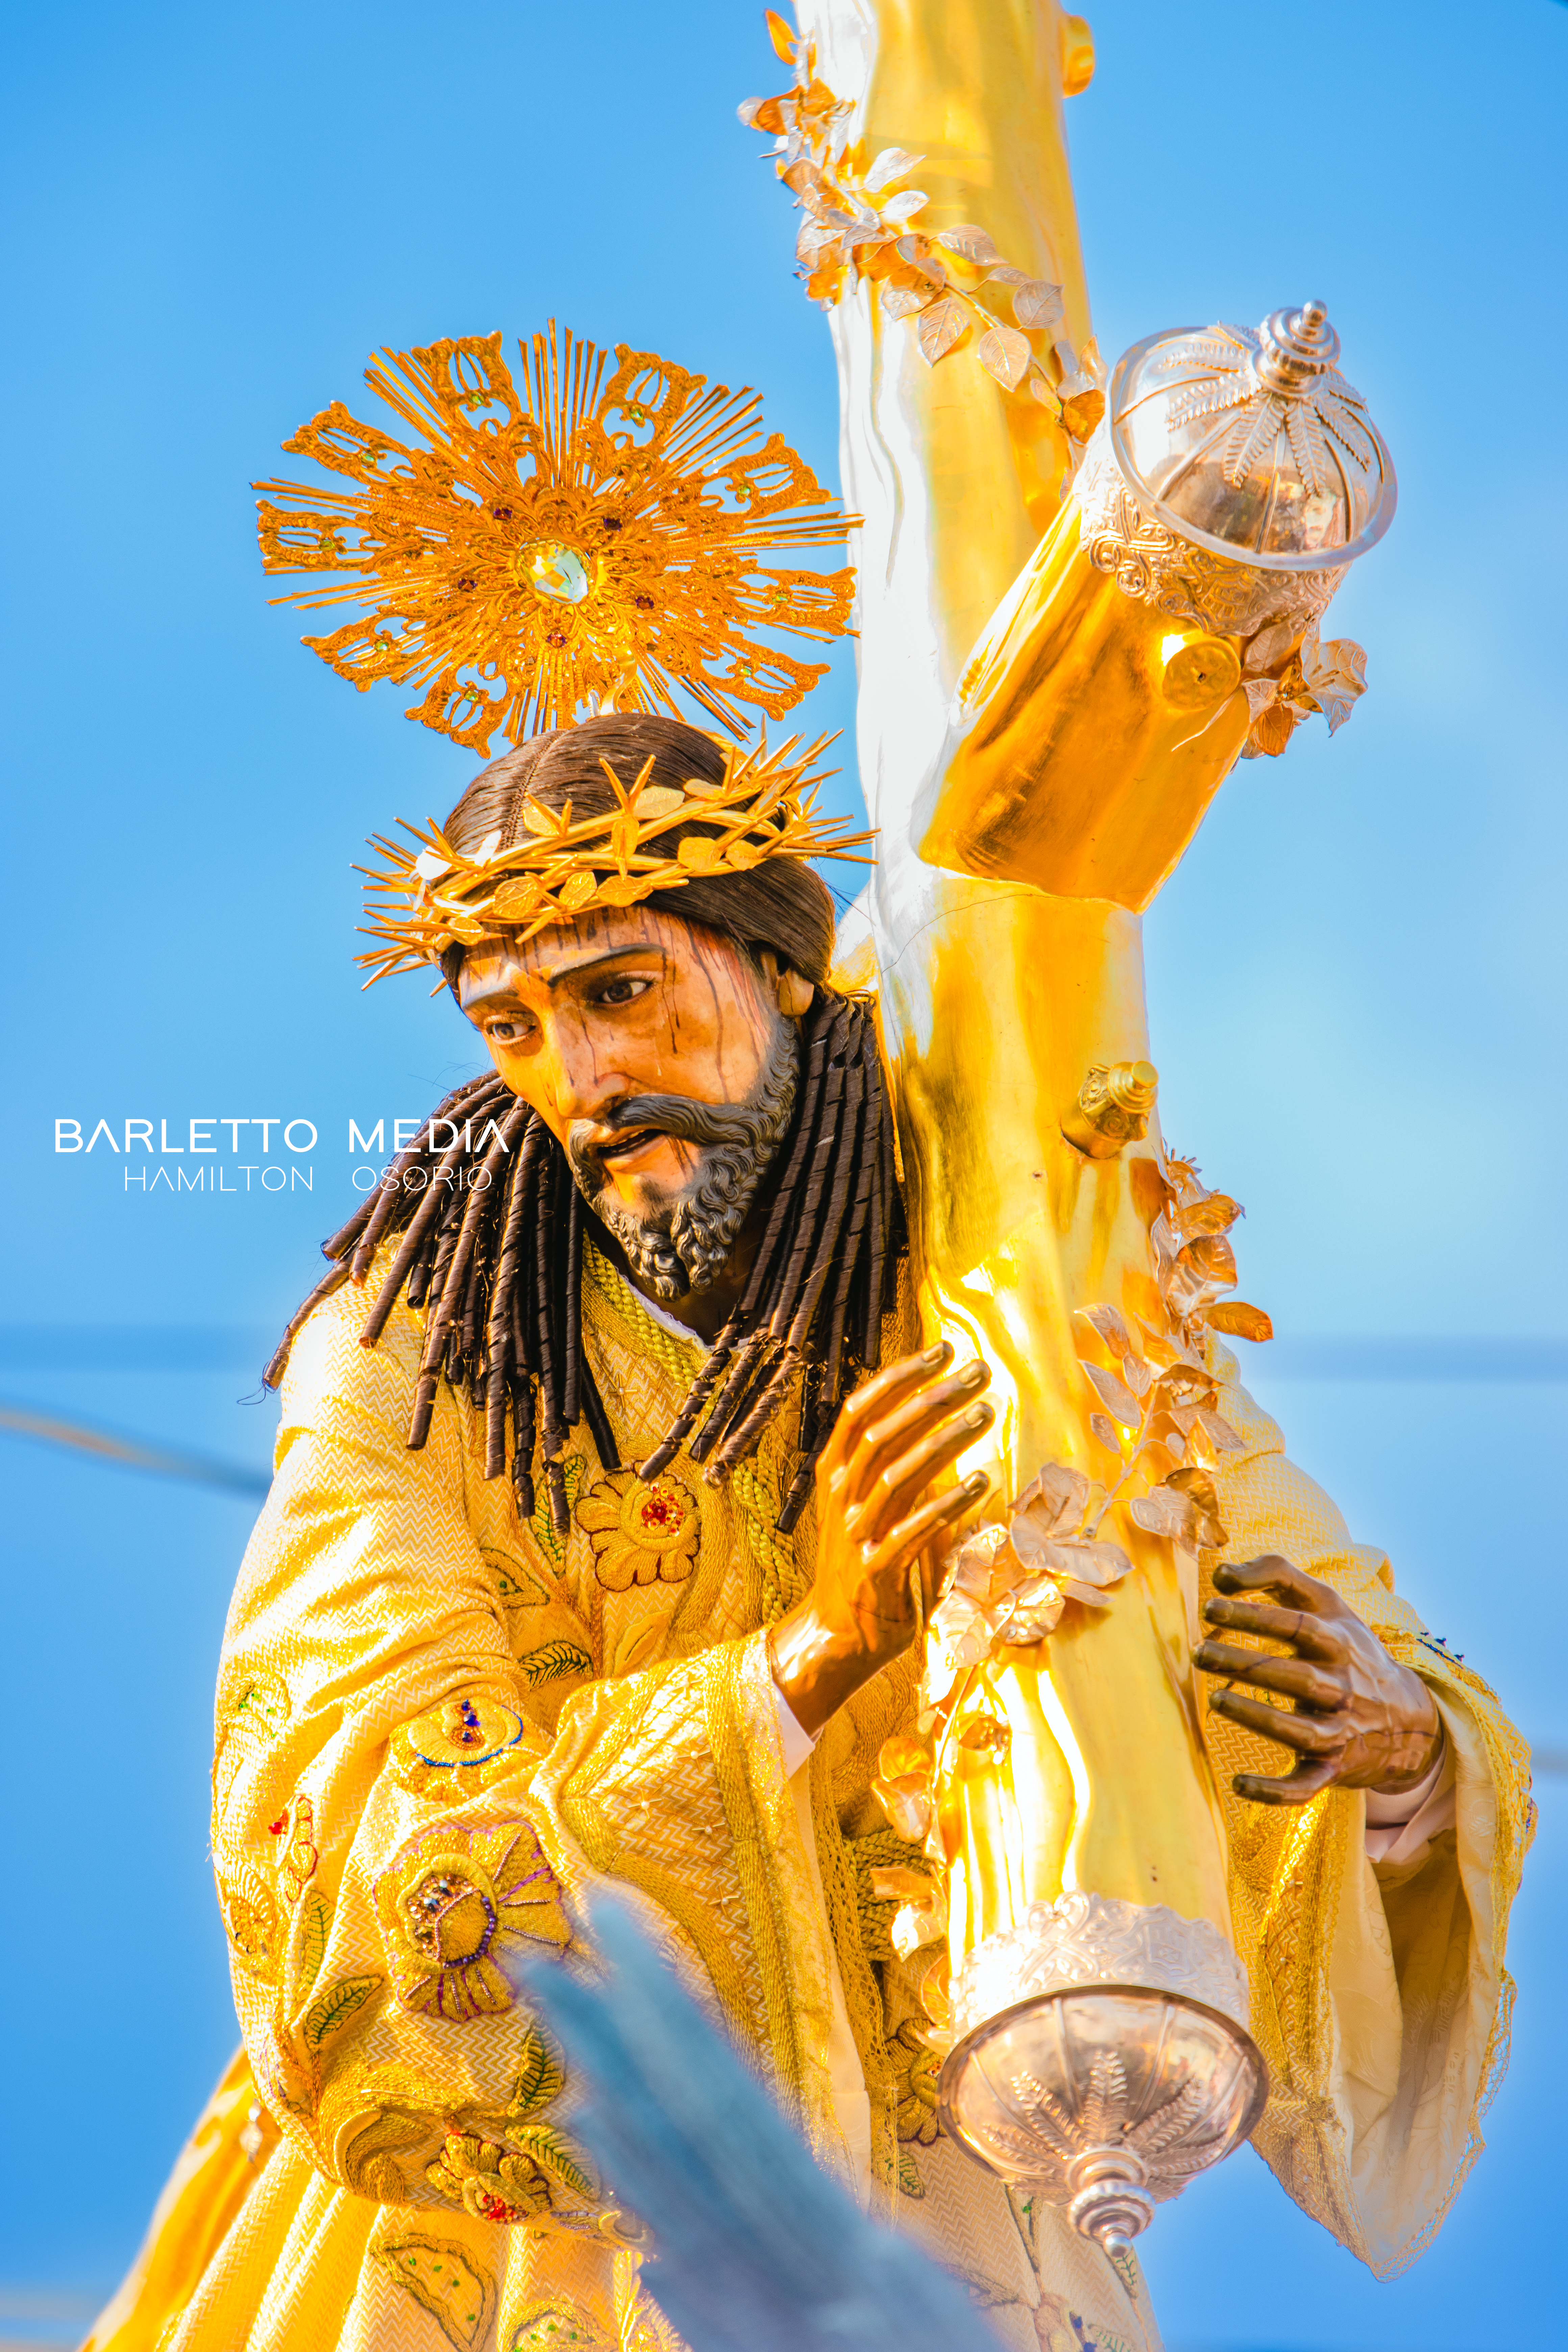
(579,1083)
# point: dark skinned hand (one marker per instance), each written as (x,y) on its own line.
(1362,1721)
(875,1521)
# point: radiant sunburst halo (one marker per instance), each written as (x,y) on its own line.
(588,538)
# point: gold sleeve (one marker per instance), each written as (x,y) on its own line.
(1381,2002)
(392,1827)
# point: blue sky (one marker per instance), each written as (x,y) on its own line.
(1355,977)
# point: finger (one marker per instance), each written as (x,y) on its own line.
(891,1381)
(1314,1734)
(1295,1677)
(1310,1635)
(901,1542)
(884,1440)
(1272,1574)
(900,1484)
(1294,1789)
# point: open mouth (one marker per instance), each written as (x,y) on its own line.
(628,1145)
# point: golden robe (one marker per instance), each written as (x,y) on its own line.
(439,1730)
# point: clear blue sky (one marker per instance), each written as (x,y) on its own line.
(214,214)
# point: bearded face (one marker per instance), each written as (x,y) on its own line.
(657,1053)
(681,1240)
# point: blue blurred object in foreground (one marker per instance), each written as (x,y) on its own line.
(758,2250)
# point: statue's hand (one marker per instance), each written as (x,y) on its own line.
(1362,1721)
(875,1522)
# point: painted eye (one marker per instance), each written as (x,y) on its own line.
(623,989)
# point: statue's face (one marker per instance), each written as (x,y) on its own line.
(655,1052)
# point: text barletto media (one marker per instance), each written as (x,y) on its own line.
(132,1141)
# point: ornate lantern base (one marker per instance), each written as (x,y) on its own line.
(1103,2060)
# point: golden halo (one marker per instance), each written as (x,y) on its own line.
(585,539)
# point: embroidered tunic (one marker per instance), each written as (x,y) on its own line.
(439,1730)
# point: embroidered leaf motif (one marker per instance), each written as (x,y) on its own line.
(314,1921)
(332,2010)
(540,2077)
(515,1581)
(541,1526)
(458,2296)
(547,1663)
(547,2327)
(554,2153)
(910,2180)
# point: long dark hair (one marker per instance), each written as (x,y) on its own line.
(493,1224)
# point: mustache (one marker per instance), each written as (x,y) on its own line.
(695,1122)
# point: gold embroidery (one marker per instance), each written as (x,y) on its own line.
(297,1854)
(541,1527)
(641,1534)
(458,2296)
(248,1722)
(555,2326)
(470,1740)
(250,1915)
(449,1899)
(500,2184)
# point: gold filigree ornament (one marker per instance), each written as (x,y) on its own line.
(589,537)
(428,894)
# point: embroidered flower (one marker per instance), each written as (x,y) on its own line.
(450,1899)
(507,2184)
(468,1741)
(641,1534)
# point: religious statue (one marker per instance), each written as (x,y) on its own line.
(768,1448)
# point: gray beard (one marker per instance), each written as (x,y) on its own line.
(684,1245)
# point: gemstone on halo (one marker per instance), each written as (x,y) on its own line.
(554,571)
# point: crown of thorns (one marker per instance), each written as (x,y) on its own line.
(427,894)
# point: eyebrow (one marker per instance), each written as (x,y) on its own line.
(558,978)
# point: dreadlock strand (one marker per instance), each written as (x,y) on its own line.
(426,1218)
(346,1235)
(697,1396)
(818,1028)
(553,1434)
(802,1481)
(391,1194)
(454,1306)
(598,1421)
(851,1256)
(751,1363)
(797,1262)
(851,1130)
(332,1280)
(746,1434)
(501,1332)
(757,1349)
(572,1385)
(522,1427)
